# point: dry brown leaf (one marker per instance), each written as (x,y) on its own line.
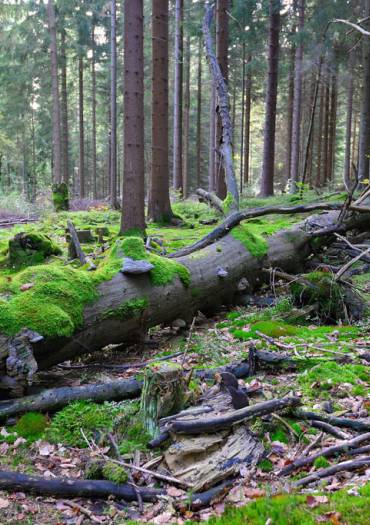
(254,493)
(315,501)
(175,492)
(4,503)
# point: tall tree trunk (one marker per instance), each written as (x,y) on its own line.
(332,125)
(267,177)
(354,155)
(81,163)
(177,102)
(242,120)
(212,141)
(319,144)
(288,157)
(93,114)
(113,110)
(64,109)
(247,130)
(159,206)
(326,131)
(199,114)
(364,134)
(297,102)
(57,155)
(347,154)
(133,214)
(185,169)
(222,50)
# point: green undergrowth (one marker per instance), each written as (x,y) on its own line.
(293,509)
(327,375)
(31,426)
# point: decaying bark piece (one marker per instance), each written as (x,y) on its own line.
(163,394)
(75,249)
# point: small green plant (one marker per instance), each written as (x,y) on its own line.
(321,462)
(31,426)
(265,465)
(279,435)
(114,472)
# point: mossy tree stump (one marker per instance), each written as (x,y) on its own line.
(162,394)
(60,196)
(29,248)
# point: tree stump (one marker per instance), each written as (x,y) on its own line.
(60,196)
(162,395)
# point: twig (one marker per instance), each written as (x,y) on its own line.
(350,263)
(313,444)
(329,429)
(83,510)
(351,24)
(344,466)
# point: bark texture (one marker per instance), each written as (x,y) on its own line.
(364,135)
(159,207)
(177,102)
(64,109)
(133,170)
(81,160)
(268,160)
(113,107)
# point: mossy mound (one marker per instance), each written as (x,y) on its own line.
(330,374)
(31,426)
(164,271)
(114,472)
(30,248)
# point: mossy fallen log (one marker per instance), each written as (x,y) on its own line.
(77,311)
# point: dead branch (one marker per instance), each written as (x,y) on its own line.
(212,199)
(344,466)
(341,422)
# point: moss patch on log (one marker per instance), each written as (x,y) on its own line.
(128,309)
(164,271)
(254,243)
(60,196)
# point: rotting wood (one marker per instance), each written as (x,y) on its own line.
(211,198)
(75,243)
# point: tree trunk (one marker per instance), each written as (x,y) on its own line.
(212,142)
(113,109)
(319,148)
(81,163)
(364,134)
(347,154)
(226,138)
(326,132)
(297,102)
(247,131)
(64,109)
(93,114)
(185,169)
(268,161)
(159,206)
(290,111)
(222,50)
(133,215)
(57,154)
(199,115)
(177,102)
(332,125)
(242,120)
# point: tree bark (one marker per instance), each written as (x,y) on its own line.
(347,153)
(64,109)
(242,119)
(268,160)
(332,125)
(223,111)
(319,144)
(247,130)
(364,134)
(297,101)
(212,142)
(326,132)
(113,107)
(133,215)
(93,114)
(159,206)
(177,102)
(57,153)
(222,49)
(290,111)
(185,169)
(81,163)
(199,115)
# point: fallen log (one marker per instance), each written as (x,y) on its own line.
(58,397)
(211,198)
(15,481)
(213,424)
(205,290)
(355,424)
(342,448)
(344,466)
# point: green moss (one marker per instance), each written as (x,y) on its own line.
(31,426)
(321,462)
(280,435)
(227,203)
(128,309)
(92,418)
(29,248)
(114,472)
(252,242)
(330,374)
(266,465)
(60,197)
(293,509)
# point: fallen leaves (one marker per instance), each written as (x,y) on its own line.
(315,501)
(4,503)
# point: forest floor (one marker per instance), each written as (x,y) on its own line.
(329,373)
